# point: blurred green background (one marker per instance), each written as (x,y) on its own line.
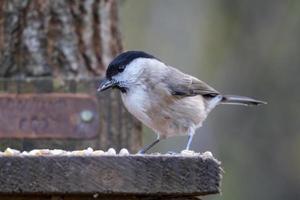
(241,47)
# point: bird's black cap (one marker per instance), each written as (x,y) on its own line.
(122,60)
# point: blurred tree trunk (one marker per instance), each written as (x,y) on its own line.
(57,37)
(62,42)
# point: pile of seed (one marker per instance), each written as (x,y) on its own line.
(91,152)
(58,152)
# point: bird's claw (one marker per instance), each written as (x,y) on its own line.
(172,153)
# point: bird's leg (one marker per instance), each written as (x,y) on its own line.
(148,147)
(214,102)
(190,139)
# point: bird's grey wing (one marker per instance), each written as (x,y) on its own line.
(181,84)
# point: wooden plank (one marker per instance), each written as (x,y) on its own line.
(93,197)
(110,175)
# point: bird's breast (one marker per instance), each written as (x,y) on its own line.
(137,103)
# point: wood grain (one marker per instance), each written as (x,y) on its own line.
(58,38)
(93,197)
(110,175)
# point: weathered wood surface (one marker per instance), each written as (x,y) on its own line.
(110,175)
(94,197)
(57,38)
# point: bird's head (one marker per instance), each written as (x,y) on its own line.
(125,70)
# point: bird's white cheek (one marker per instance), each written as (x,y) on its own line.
(126,79)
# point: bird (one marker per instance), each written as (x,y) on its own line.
(163,98)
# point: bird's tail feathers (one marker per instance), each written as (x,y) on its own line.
(241,100)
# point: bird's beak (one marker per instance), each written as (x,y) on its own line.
(106,84)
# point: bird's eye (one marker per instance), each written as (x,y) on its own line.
(121,68)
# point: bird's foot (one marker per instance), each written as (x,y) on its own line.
(142,151)
(172,153)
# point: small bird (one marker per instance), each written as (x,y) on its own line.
(165,99)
